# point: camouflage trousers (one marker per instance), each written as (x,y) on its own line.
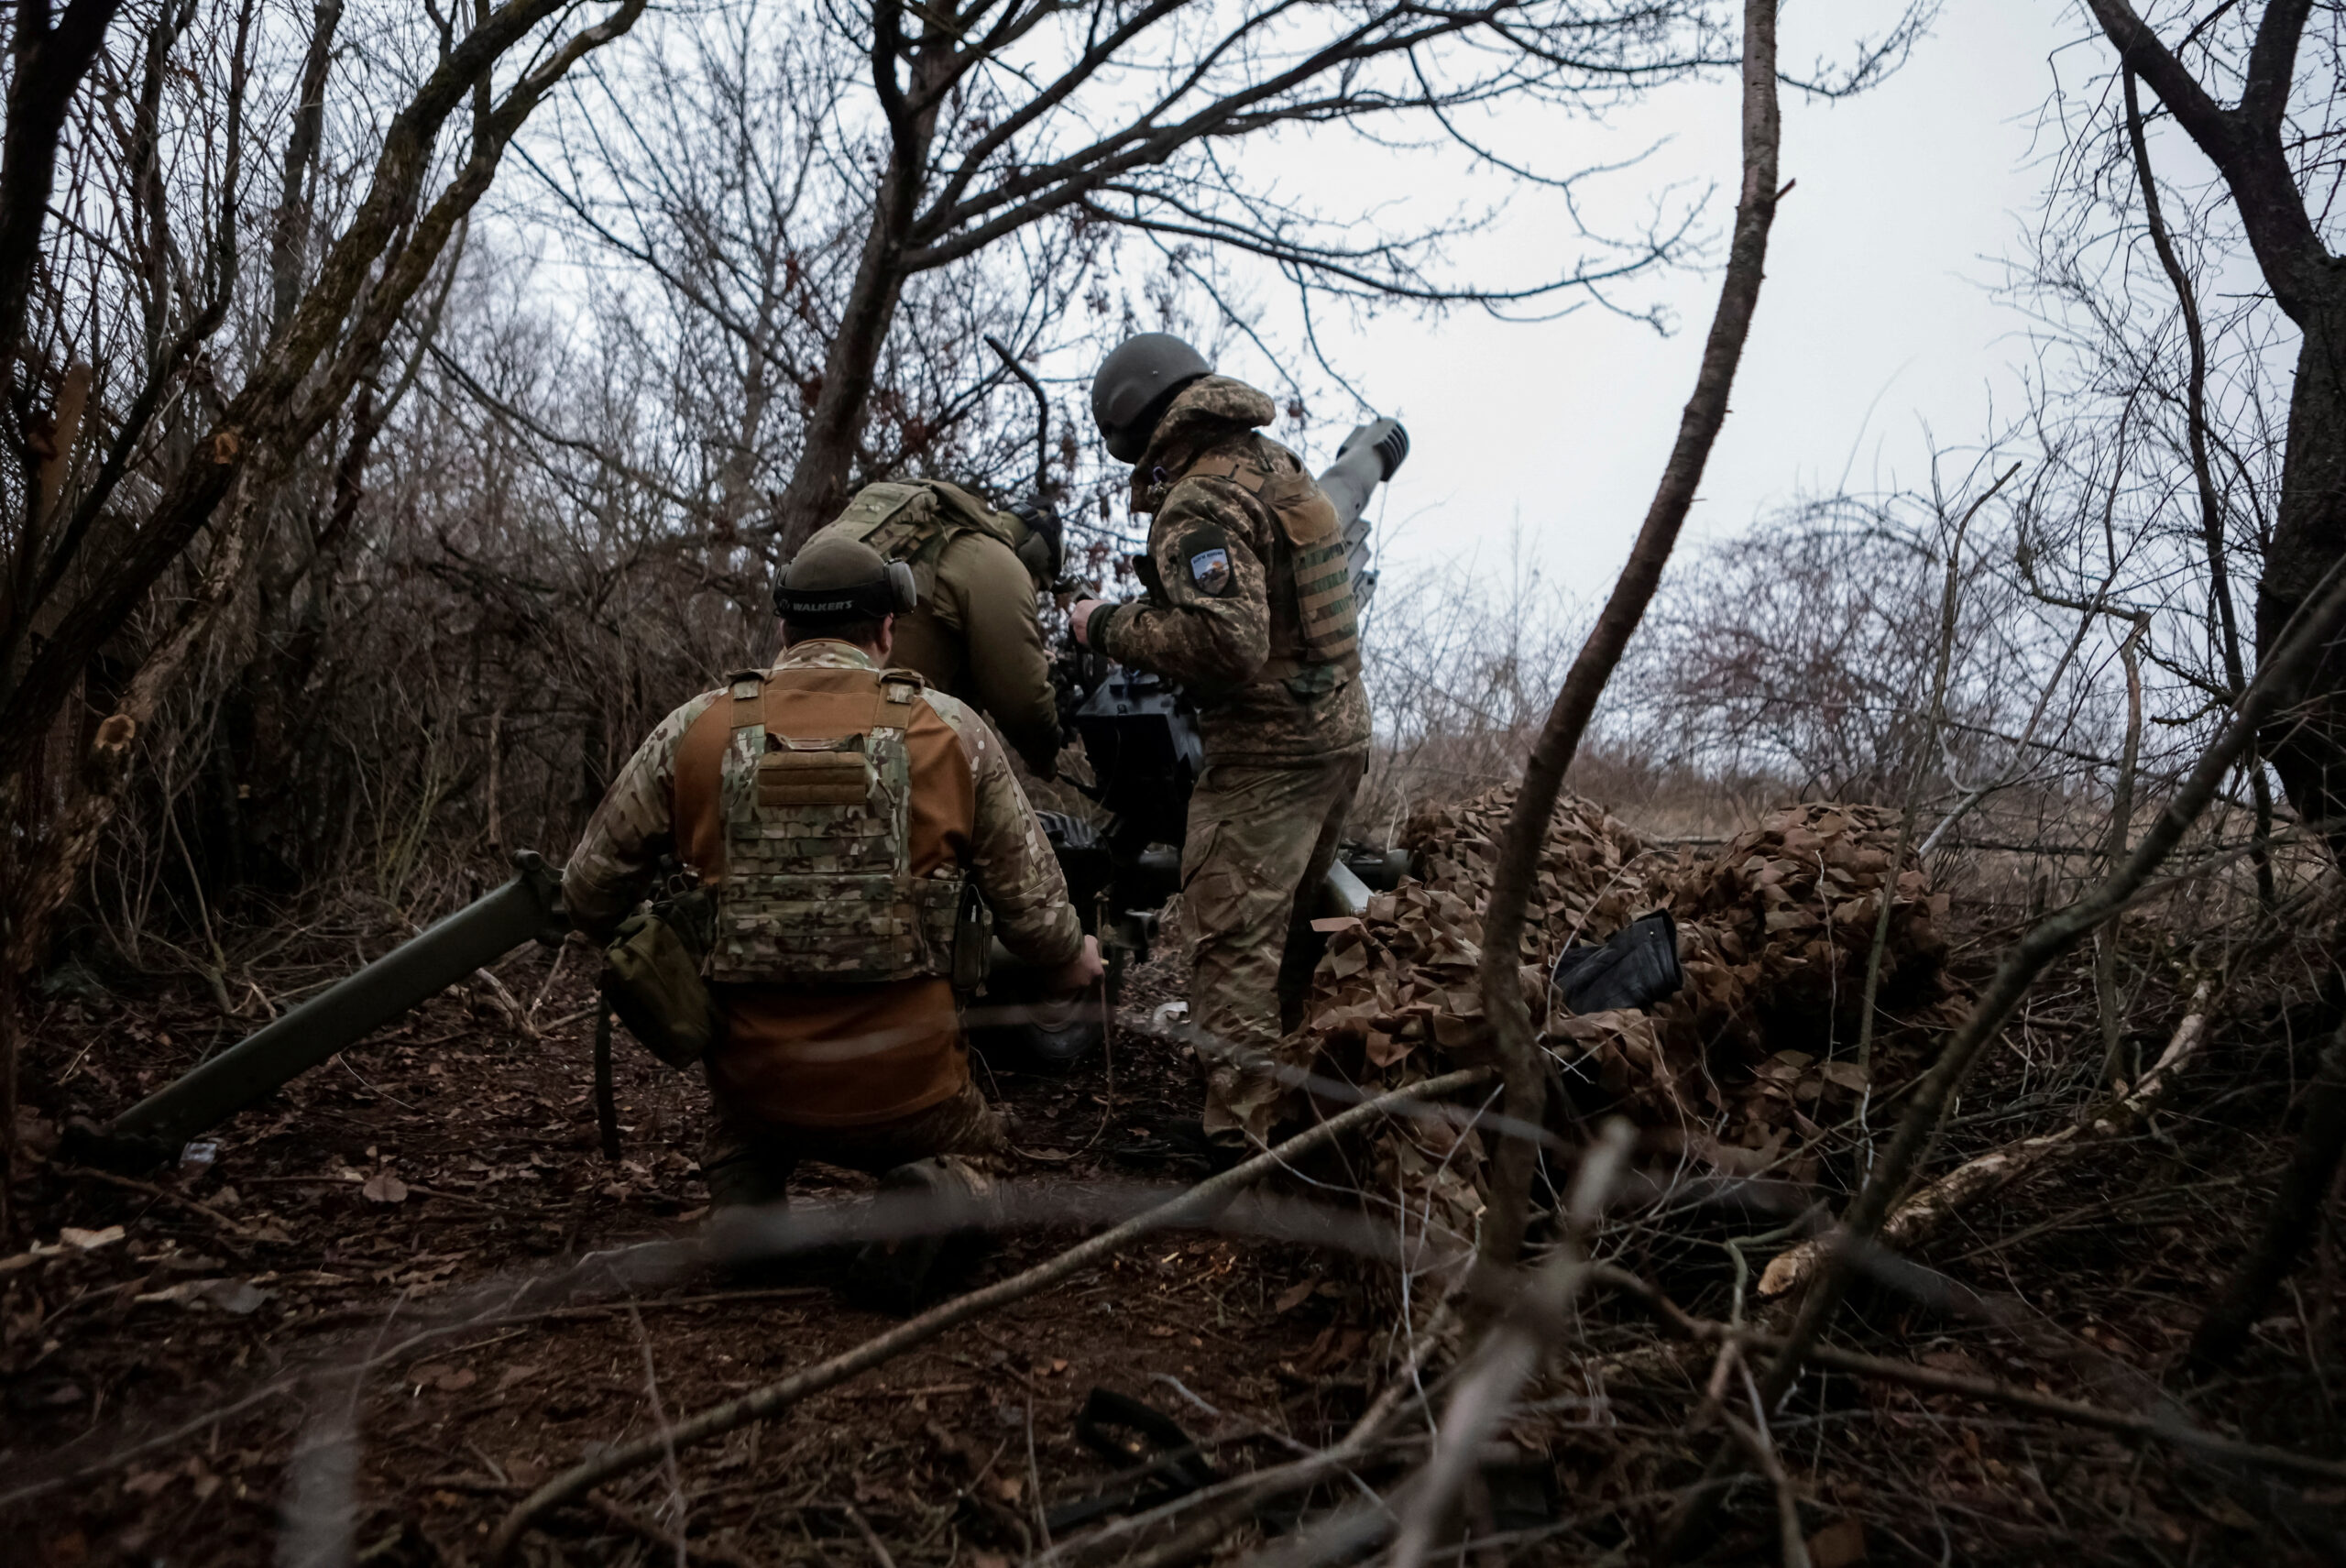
(747,1164)
(1259,836)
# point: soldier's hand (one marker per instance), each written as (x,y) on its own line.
(1081,971)
(1079,620)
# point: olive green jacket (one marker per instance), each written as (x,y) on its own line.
(976,635)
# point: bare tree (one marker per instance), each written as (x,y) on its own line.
(974,123)
(148,420)
(48,61)
(2265,153)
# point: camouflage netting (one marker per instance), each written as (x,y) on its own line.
(1774,930)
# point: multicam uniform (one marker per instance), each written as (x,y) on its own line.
(975,635)
(838,850)
(1250,608)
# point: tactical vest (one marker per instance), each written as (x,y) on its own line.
(1311,574)
(913,520)
(818,884)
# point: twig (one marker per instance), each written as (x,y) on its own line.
(659,1421)
(2122,817)
(1792,1545)
(1034,1478)
(1917,769)
(131,1184)
(1920,1216)
(562,953)
(606,1108)
(1226,1503)
(1511,1355)
(629,1520)
(1515,859)
(1200,1202)
(870,1536)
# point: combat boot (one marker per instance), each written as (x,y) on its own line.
(901,1275)
(749,1188)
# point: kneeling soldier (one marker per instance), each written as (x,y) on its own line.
(845,819)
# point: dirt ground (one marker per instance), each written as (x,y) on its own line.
(380,1196)
(198,1361)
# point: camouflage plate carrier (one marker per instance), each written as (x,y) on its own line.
(913,520)
(819,884)
(1316,572)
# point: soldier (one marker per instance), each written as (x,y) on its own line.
(1249,607)
(979,572)
(843,815)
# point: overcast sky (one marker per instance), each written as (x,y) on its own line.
(1879,317)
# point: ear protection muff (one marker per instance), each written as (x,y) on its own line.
(901,584)
(1034,552)
(1037,535)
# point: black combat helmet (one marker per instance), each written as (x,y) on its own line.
(1136,383)
(836,580)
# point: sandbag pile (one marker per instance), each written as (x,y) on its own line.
(1774,929)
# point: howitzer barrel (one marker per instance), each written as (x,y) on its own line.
(1368,457)
(525,909)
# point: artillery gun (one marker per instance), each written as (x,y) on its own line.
(1140,733)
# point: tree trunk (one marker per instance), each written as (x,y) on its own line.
(2306,742)
(818,485)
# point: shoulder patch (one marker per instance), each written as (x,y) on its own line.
(1204,554)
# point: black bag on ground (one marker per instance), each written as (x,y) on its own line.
(652,977)
(1636,967)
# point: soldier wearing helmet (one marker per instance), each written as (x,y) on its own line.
(979,573)
(844,816)
(1249,607)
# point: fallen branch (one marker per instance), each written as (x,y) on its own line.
(161,1194)
(1923,1216)
(1198,1203)
(1987,1391)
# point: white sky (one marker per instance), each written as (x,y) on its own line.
(1879,315)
